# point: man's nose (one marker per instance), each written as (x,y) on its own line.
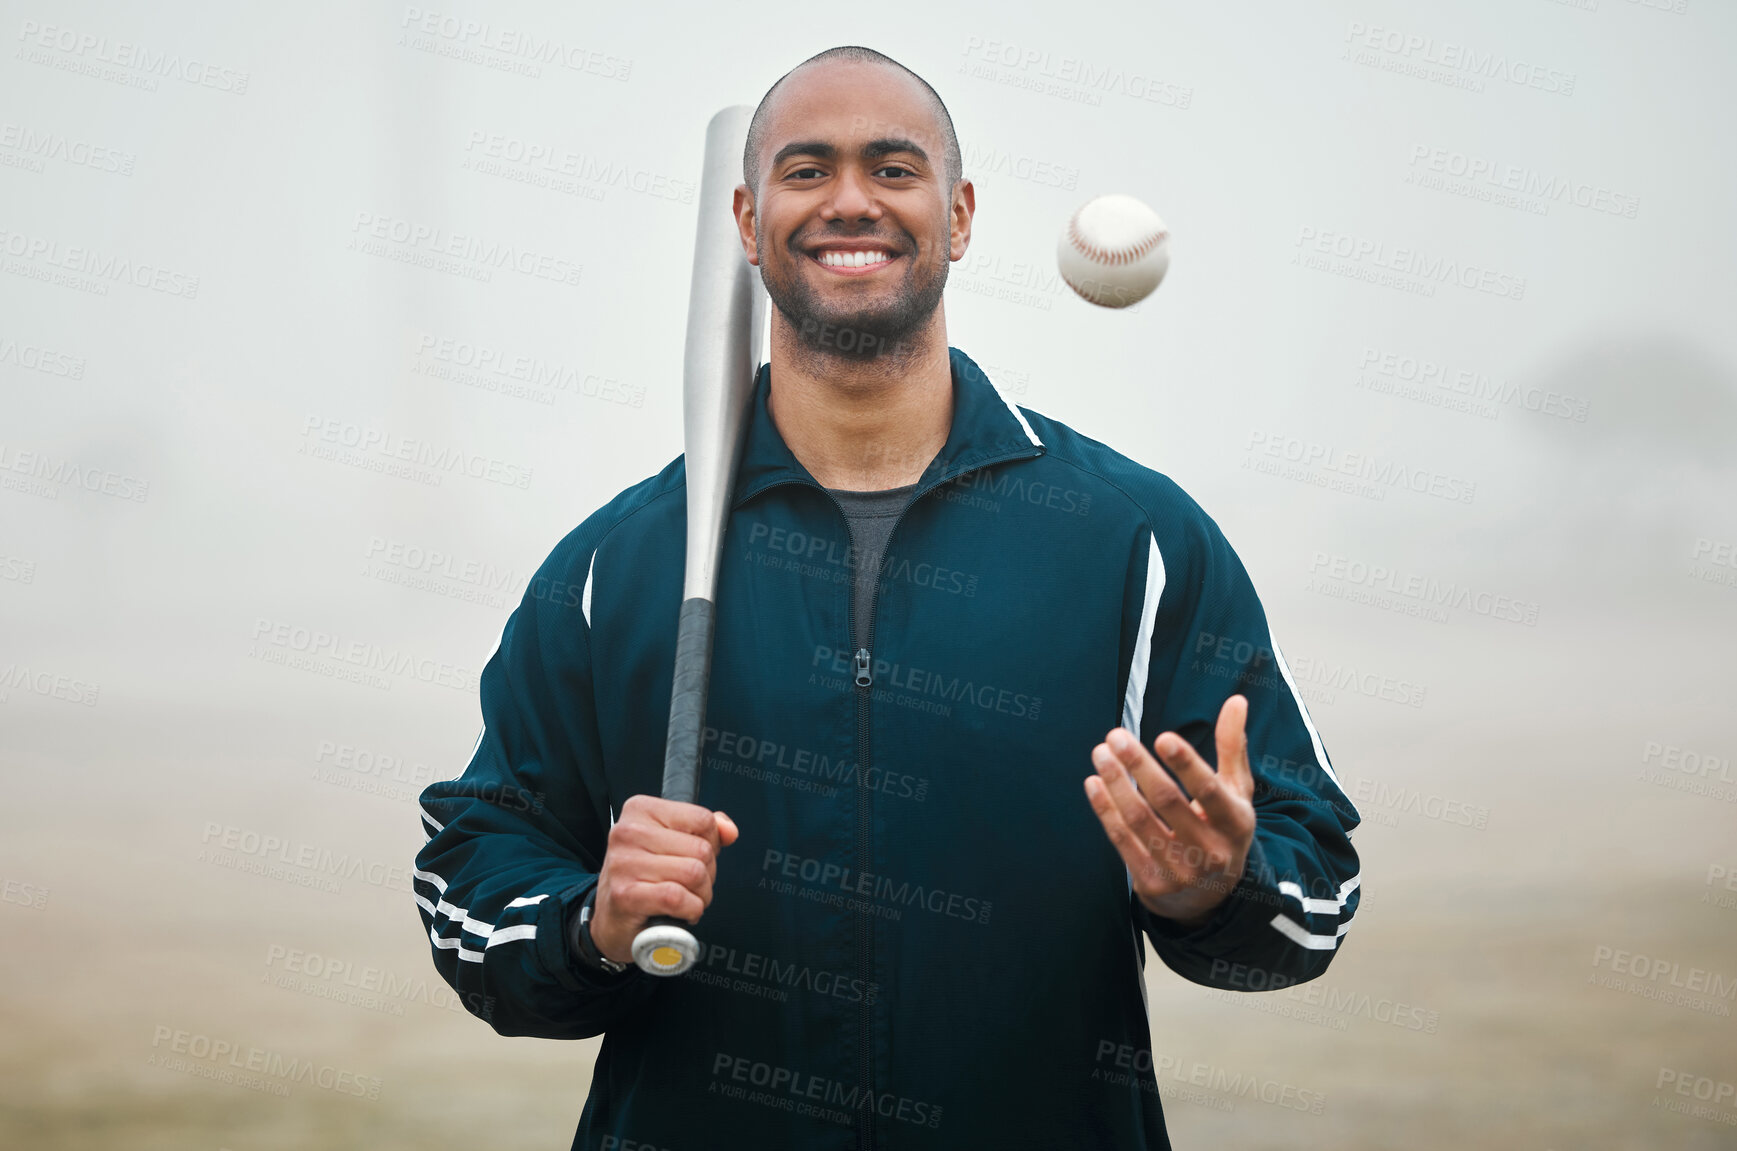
(853,197)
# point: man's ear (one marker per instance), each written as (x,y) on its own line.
(743,205)
(964,207)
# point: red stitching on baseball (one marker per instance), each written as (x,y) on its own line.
(1099,255)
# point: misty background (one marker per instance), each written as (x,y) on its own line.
(1483,246)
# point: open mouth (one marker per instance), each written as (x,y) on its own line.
(853,261)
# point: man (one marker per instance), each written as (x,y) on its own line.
(937,612)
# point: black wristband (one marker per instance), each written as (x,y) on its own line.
(583,945)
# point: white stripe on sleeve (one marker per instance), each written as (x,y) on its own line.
(487,932)
(1321,906)
(1314,736)
(1133,703)
(585,601)
(1302,937)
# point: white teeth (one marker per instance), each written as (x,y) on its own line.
(853,259)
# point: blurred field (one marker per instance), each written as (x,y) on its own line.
(1489,934)
(1527,1055)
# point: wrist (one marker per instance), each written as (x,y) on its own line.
(1194,907)
(1183,918)
(1193,922)
(584,944)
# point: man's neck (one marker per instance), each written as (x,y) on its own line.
(862,424)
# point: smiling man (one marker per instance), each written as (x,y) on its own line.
(853,210)
(938,613)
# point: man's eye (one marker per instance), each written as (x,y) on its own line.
(896,169)
(800,172)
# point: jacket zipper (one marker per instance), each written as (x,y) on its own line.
(863,844)
(864,839)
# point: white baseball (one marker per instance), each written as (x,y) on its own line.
(1114,251)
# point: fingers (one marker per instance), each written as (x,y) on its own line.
(653,839)
(637,902)
(1158,862)
(1215,798)
(1136,809)
(661,860)
(688,817)
(637,883)
(1147,844)
(1222,797)
(1135,857)
(654,872)
(1157,788)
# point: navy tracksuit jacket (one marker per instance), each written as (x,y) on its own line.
(923,938)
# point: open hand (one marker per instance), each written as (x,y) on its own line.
(1184,854)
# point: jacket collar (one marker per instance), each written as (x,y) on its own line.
(986,429)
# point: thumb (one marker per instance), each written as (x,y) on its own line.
(727,831)
(1232,738)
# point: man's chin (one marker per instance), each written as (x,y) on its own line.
(862,326)
(856,335)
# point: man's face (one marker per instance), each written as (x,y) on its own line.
(853,224)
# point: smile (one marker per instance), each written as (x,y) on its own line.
(854,261)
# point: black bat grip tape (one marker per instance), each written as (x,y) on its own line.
(687,702)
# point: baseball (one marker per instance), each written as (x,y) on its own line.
(1114,251)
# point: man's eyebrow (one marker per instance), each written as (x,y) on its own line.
(819,149)
(887,146)
(873,150)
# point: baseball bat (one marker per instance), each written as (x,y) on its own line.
(726,312)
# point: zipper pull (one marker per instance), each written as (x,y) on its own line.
(862,667)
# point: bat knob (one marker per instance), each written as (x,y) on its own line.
(665,947)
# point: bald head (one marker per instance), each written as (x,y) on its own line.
(936,137)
